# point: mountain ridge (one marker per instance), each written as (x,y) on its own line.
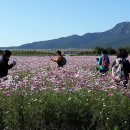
(118,36)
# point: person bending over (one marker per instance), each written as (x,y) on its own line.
(59,60)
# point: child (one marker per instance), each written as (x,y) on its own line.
(61,61)
(4,66)
(121,68)
(103,62)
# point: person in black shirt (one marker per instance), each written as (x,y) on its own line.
(4,66)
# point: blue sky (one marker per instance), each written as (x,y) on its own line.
(26,21)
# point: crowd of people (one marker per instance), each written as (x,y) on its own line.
(120,67)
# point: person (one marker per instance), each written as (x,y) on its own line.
(61,61)
(121,68)
(4,66)
(103,61)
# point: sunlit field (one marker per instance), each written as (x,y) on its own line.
(37,95)
(41,74)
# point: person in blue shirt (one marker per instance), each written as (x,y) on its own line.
(103,61)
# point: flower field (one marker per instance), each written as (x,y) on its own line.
(41,74)
(37,95)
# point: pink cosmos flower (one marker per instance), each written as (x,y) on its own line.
(8,94)
(110,94)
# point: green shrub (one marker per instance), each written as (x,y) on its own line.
(82,110)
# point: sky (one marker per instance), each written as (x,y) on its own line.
(27,21)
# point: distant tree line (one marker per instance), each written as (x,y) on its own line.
(31,52)
(98,50)
(71,52)
(110,50)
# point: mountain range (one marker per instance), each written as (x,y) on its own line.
(118,36)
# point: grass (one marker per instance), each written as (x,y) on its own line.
(81,110)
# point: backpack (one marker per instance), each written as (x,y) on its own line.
(64,61)
(118,72)
(105,62)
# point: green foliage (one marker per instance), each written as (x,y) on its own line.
(32,53)
(80,52)
(127,49)
(110,50)
(72,52)
(82,110)
(98,50)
